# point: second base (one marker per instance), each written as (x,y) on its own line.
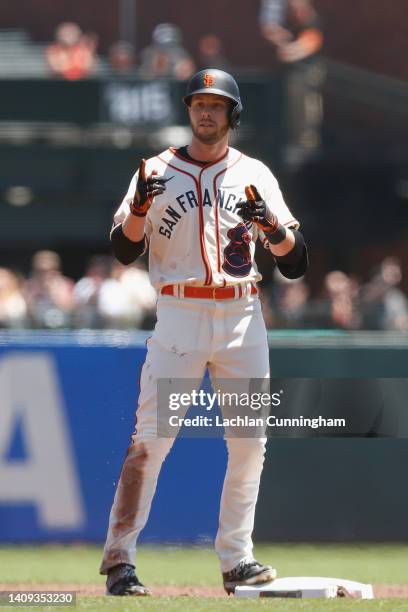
(308,586)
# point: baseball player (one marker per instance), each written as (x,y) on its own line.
(200,210)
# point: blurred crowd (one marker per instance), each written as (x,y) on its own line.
(112,296)
(74,55)
(109,295)
(291,28)
(343,302)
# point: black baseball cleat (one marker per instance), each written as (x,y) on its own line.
(247,573)
(122,581)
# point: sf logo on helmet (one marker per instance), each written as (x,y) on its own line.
(208,80)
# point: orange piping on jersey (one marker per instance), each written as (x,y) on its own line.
(208,272)
(201,211)
(217,226)
(208,280)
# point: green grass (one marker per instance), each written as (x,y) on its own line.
(185,566)
(375,563)
(219,604)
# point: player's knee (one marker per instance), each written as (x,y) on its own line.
(150,451)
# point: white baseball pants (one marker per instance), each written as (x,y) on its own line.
(228,337)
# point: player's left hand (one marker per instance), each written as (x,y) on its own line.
(254,210)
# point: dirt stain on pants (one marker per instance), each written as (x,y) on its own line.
(126,505)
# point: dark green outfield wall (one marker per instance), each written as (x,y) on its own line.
(334,489)
(341,489)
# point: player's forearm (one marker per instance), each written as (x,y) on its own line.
(283,247)
(134,227)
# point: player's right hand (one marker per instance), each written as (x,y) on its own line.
(147,188)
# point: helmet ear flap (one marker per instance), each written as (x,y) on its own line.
(235,116)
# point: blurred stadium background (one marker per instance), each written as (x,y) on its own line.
(74,322)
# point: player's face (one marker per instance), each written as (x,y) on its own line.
(209,117)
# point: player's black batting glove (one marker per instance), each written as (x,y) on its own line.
(147,188)
(254,209)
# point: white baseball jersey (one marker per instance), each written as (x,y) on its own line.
(195,234)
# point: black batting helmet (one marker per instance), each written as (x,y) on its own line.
(214,81)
